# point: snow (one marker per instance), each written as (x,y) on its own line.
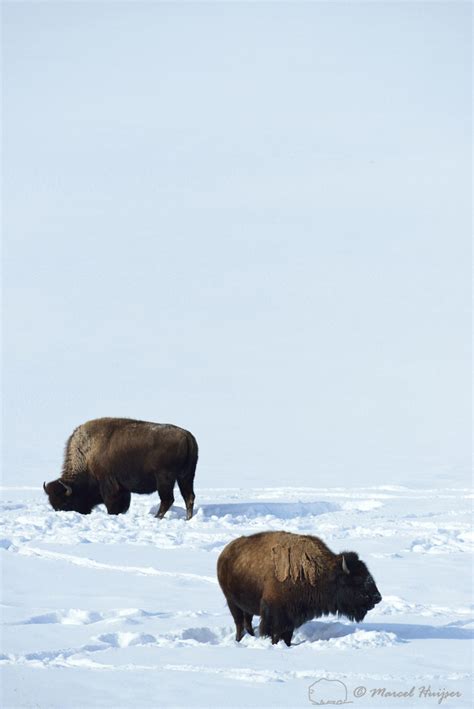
(126,611)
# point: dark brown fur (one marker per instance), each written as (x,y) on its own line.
(109,458)
(288,579)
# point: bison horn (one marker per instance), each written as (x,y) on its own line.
(344,565)
(67,488)
(44,487)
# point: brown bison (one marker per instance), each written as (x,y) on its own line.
(288,579)
(107,459)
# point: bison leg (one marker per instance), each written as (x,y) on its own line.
(186,489)
(275,623)
(265,627)
(126,498)
(248,623)
(116,502)
(165,486)
(286,636)
(238,616)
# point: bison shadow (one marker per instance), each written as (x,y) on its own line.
(281,510)
(316,630)
(173,512)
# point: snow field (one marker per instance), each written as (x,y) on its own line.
(129,606)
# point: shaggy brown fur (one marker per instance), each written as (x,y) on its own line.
(107,459)
(288,579)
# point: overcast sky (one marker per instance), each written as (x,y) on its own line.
(248,219)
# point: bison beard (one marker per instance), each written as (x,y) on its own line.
(289,579)
(109,458)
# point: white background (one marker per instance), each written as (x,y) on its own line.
(249,219)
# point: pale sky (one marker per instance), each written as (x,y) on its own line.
(248,219)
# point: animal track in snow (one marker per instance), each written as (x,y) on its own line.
(393,605)
(443,541)
(337,514)
(90,563)
(195,636)
(77,616)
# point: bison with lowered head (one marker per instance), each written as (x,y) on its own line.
(288,579)
(108,458)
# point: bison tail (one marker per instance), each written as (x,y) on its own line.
(191,458)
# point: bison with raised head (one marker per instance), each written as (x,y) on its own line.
(288,579)
(108,458)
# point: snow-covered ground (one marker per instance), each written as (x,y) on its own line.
(126,611)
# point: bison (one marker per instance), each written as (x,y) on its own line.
(106,459)
(288,579)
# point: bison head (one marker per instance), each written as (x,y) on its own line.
(356,592)
(68,497)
